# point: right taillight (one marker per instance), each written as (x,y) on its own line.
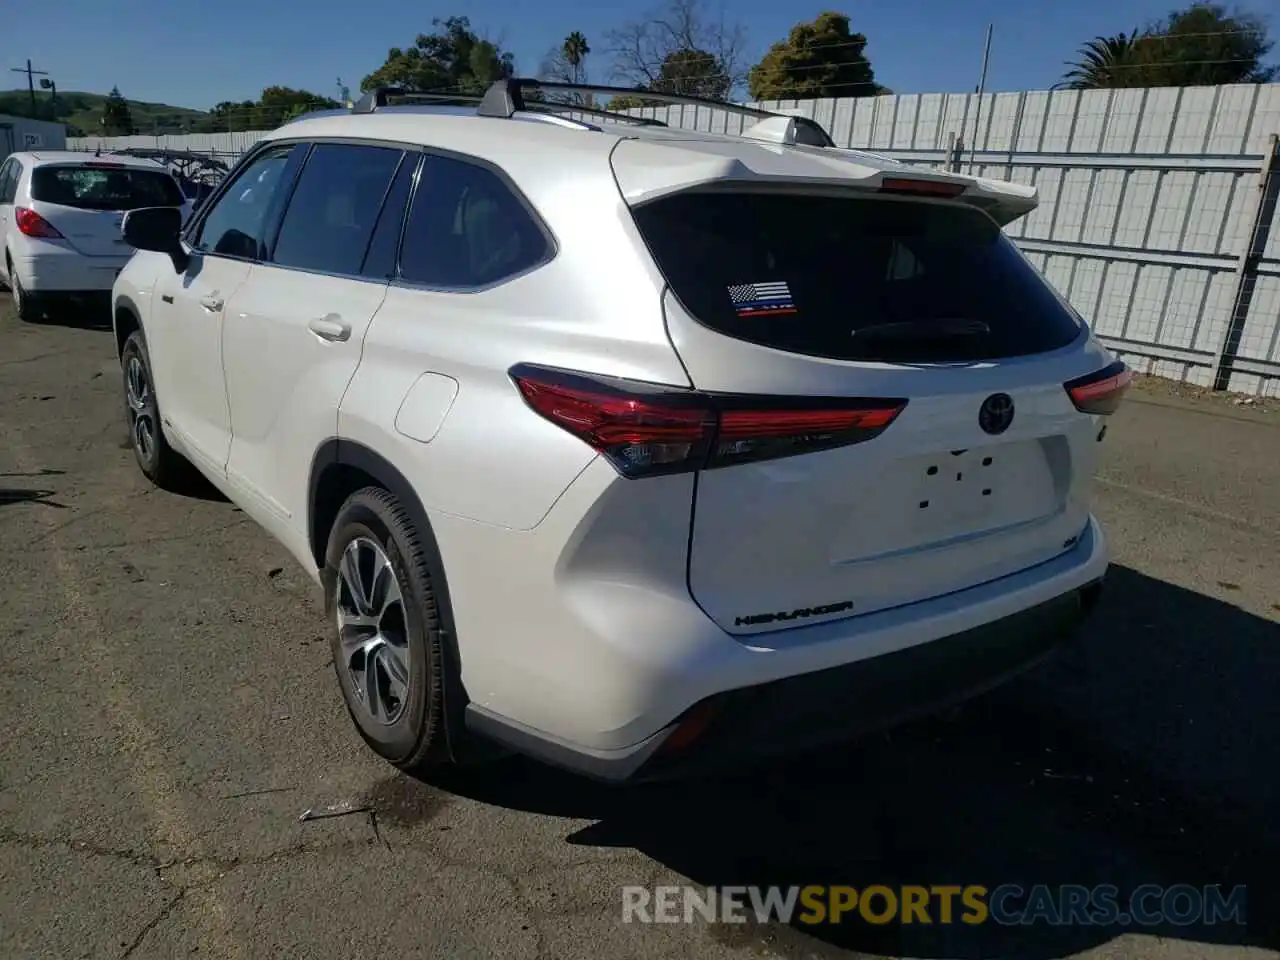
(1100,392)
(648,429)
(31,224)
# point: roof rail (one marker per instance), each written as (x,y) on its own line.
(505,97)
(544,106)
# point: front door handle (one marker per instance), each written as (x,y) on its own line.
(330,327)
(212,304)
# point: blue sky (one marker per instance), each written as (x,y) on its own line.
(195,56)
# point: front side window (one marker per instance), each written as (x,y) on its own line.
(110,187)
(334,209)
(238,221)
(467,228)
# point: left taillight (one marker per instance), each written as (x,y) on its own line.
(650,429)
(31,224)
(1100,392)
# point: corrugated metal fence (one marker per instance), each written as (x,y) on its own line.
(1153,218)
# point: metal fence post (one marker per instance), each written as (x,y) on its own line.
(1247,269)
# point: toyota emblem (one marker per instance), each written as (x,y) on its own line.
(996,413)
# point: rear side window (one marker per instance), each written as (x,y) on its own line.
(854,278)
(467,229)
(105,187)
(334,208)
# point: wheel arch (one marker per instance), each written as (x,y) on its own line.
(125,319)
(339,468)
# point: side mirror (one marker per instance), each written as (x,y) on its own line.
(157,229)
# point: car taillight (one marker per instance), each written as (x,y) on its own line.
(31,224)
(649,429)
(921,188)
(1100,392)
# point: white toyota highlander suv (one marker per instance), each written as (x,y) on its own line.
(635,449)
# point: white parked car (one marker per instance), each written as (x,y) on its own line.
(631,448)
(60,215)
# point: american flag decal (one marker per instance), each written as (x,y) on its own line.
(762,299)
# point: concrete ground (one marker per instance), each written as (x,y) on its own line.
(169,709)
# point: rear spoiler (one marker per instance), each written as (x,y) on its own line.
(1002,200)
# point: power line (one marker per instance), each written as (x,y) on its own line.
(269,116)
(266,114)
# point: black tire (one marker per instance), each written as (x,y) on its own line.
(417,734)
(159,462)
(26,305)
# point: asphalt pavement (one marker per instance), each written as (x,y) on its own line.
(169,711)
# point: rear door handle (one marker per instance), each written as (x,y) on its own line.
(331,328)
(212,304)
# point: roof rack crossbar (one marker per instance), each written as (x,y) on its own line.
(530,105)
(505,97)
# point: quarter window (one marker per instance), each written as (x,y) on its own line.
(334,209)
(467,229)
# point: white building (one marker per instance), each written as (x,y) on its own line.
(18,134)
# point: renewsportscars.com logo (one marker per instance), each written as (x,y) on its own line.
(1008,905)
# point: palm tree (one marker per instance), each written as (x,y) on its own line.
(1105,62)
(574,51)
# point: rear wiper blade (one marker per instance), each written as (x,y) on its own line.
(955,327)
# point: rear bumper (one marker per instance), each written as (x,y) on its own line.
(61,271)
(840,703)
(822,707)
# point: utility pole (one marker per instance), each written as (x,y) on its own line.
(31,82)
(982,89)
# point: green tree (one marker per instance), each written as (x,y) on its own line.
(682,47)
(1200,45)
(275,106)
(566,63)
(818,59)
(1204,45)
(574,50)
(116,119)
(278,104)
(694,73)
(453,59)
(690,73)
(1106,62)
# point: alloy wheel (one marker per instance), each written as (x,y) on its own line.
(142,426)
(372,631)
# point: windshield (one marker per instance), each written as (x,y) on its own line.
(854,278)
(105,187)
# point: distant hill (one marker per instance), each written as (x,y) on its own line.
(82,112)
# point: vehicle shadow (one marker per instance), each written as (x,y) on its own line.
(1144,754)
(193,484)
(91,313)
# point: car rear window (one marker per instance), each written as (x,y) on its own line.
(854,278)
(105,188)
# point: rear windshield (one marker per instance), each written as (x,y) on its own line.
(854,278)
(104,188)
